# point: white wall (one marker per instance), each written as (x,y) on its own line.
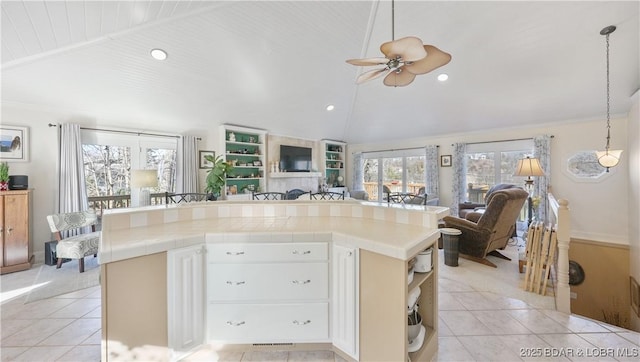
(598,209)
(633,155)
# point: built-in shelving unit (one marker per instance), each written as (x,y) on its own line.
(333,162)
(245,149)
(428,311)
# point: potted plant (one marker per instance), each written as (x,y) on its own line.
(4,176)
(216,176)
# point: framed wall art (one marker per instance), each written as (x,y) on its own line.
(204,163)
(445,161)
(14,143)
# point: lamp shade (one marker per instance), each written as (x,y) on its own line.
(528,167)
(144,178)
(608,158)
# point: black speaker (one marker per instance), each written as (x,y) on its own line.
(18,182)
(50,253)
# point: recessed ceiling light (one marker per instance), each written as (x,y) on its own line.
(158,54)
(330,107)
(442,77)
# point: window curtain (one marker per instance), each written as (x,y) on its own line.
(542,150)
(432,186)
(459,184)
(187,165)
(357,183)
(72,191)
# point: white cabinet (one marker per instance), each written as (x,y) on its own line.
(345,299)
(268,292)
(333,162)
(245,148)
(185,299)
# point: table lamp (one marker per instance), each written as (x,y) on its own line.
(529,167)
(143,179)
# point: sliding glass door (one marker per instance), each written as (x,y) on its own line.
(394,171)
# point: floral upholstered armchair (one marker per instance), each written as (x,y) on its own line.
(77,246)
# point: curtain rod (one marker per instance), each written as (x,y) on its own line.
(126,132)
(510,140)
(397,149)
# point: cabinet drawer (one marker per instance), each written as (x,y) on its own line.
(266,252)
(243,282)
(267,323)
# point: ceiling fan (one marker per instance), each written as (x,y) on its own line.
(404,59)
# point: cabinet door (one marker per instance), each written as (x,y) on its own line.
(345,299)
(185,279)
(16,229)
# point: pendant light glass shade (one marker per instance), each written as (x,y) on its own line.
(608,158)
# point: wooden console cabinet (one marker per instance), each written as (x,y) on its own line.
(15,236)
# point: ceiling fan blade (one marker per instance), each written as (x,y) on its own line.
(368,61)
(371,74)
(399,78)
(435,59)
(409,49)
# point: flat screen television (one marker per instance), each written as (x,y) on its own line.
(295,159)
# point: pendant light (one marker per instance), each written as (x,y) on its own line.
(608,158)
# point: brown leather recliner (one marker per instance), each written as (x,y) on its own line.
(468,207)
(493,228)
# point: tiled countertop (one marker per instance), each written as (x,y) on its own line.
(392,231)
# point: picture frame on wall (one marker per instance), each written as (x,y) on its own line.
(204,163)
(14,143)
(445,161)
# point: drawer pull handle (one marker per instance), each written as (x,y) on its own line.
(301,281)
(234,283)
(349,253)
(298,323)
(235,324)
(235,252)
(296,252)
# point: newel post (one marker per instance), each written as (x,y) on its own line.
(563,299)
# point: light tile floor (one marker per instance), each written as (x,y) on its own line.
(475,325)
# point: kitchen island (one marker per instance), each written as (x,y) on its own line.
(286,275)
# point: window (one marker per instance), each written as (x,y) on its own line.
(109,159)
(583,166)
(394,171)
(492,163)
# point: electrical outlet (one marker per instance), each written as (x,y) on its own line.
(574,295)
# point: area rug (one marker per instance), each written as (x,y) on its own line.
(51,282)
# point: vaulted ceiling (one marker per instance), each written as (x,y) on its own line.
(277,65)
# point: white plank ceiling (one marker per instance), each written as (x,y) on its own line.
(276,65)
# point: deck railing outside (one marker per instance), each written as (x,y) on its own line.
(372,188)
(100,203)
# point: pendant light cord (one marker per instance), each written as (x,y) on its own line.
(608,100)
